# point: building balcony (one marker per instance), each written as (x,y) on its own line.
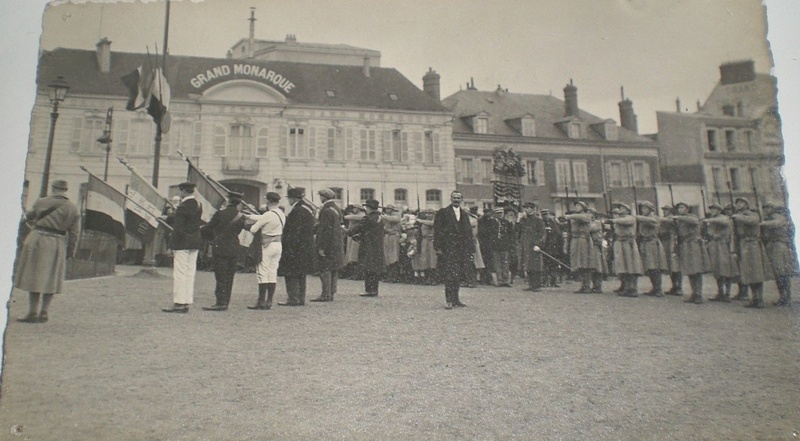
(240,166)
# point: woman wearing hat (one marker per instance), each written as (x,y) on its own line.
(627,260)
(42,262)
(693,255)
(754,265)
(654,259)
(777,233)
(721,252)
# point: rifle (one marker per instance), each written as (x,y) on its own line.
(671,196)
(755,193)
(635,202)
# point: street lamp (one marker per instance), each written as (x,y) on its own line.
(58,91)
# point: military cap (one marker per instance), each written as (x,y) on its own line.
(581,203)
(188,186)
(273,197)
(616,211)
(647,204)
(716,206)
(544,211)
(666,207)
(771,205)
(728,207)
(743,200)
(389,207)
(234,197)
(678,204)
(296,192)
(625,206)
(59,185)
(372,203)
(327,193)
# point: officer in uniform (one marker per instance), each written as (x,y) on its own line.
(223,231)
(754,265)
(532,235)
(299,254)
(185,242)
(330,245)
(720,252)
(777,233)
(370,248)
(667,234)
(654,259)
(693,256)
(553,245)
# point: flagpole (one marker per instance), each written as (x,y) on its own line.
(159,132)
(133,170)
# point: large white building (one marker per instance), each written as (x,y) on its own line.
(254,124)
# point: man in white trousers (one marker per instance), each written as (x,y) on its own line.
(185,243)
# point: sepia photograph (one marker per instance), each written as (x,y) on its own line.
(416,220)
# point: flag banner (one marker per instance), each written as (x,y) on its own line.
(206,192)
(139,83)
(142,209)
(507,190)
(105,210)
(160,96)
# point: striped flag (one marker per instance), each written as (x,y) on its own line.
(139,84)
(105,209)
(207,192)
(142,209)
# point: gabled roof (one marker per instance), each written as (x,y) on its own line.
(547,111)
(264,45)
(353,89)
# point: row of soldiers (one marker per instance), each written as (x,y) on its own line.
(733,243)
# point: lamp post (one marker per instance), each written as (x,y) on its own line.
(58,91)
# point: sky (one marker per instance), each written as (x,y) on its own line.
(659,50)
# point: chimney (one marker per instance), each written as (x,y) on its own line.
(251,42)
(626,116)
(291,38)
(430,84)
(737,72)
(678,104)
(471,84)
(104,55)
(571,99)
(366,66)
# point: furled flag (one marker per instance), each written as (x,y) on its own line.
(206,192)
(139,84)
(142,209)
(158,105)
(105,210)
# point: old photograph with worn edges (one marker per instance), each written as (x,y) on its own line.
(404,220)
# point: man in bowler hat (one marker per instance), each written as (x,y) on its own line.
(185,242)
(299,252)
(223,231)
(370,247)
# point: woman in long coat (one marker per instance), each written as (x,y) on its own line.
(754,265)
(692,252)
(42,263)
(720,252)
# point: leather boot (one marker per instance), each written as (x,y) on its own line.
(721,296)
(677,284)
(757,299)
(743,292)
(262,297)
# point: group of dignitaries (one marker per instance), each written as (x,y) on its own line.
(734,243)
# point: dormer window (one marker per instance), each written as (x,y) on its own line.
(330,93)
(574,130)
(607,129)
(393,96)
(528,127)
(481,125)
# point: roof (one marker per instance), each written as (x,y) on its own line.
(546,110)
(312,81)
(264,45)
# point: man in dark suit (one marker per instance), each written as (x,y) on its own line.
(299,252)
(370,247)
(223,231)
(185,242)
(330,245)
(454,246)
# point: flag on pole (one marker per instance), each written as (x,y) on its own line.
(142,209)
(158,104)
(208,194)
(139,84)
(105,210)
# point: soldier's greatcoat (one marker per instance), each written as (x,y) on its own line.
(626,252)
(651,250)
(596,231)
(42,263)
(581,248)
(720,247)
(668,235)
(776,235)
(692,253)
(754,265)
(532,234)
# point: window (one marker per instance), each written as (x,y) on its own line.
(367,193)
(467,170)
(197,138)
(416,144)
(434,196)
(334,145)
(612,134)
(432,148)
(535,171)
(140,137)
(399,146)
(90,130)
(337,193)
(393,96)
(481,125)
(748,139)
(262,143)
(296,147)
(121,136)
(219,141)
(240,145)
(368,151)
(178,138)
(716,178)
(486,171)
(730,140)
(728,110)
(736,179)
(349,144)
(580,174)
(563,175)
(574,130)
(312,142)
(400,196)
(640,171)
(330,93)
(528,127)
(712,140)
(617,174)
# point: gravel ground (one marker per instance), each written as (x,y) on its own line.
(512,365)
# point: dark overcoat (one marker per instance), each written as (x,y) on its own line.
(776,233)
(370,244)
(453,241)
(223,232)
(720,247)
(330,238)
(754,265)
(186,227)
(532,234)
(692,252)
(299,256)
